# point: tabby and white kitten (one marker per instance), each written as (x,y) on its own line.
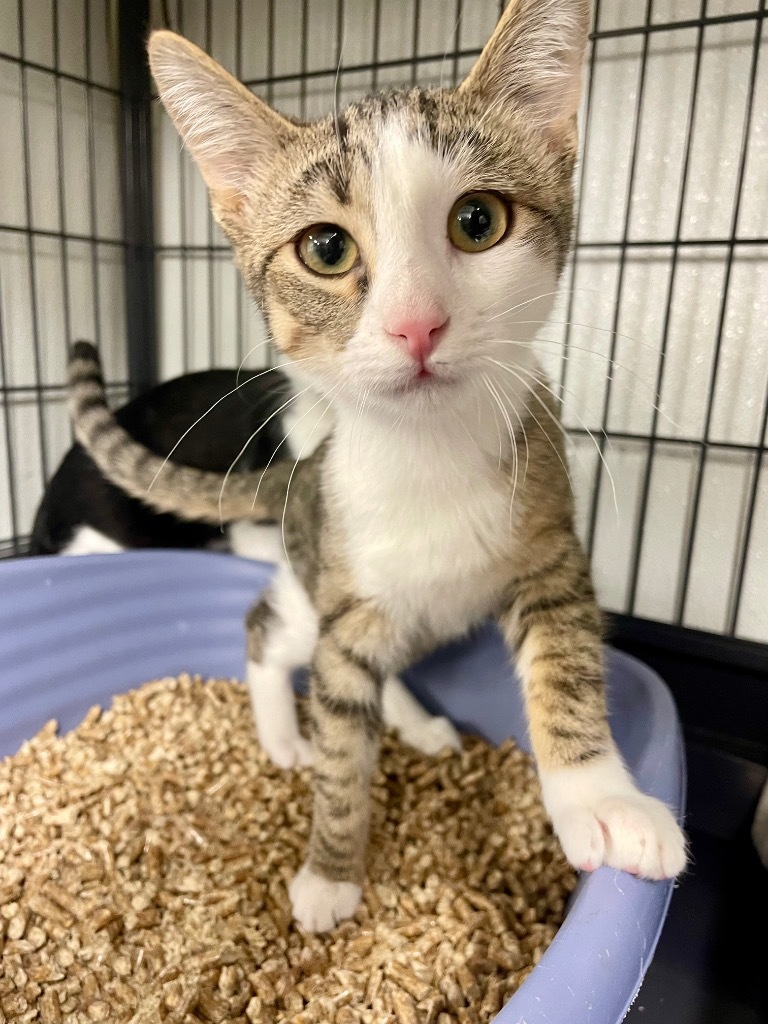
(396,249)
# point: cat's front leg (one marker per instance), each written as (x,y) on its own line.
(413,723)
(352,658)
(281,631)
(552,627)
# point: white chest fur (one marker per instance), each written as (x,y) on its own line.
(426,516)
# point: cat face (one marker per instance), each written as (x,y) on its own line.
(394,246)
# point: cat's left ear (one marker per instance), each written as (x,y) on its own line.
(534,59)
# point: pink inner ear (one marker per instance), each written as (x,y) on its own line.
(421,333)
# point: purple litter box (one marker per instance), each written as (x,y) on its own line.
(75,631)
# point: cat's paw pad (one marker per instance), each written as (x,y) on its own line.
(319,904)
(288,751)
(632,832)
(433,736)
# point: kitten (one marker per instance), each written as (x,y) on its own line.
(403,253)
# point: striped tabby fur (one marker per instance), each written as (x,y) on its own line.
(435,503)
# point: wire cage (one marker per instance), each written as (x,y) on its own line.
(659,342)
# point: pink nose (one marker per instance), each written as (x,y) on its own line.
(420,334)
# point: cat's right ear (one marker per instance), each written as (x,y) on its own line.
(230,133)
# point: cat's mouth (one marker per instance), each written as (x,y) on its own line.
(425,381)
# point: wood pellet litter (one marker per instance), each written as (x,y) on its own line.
(145,856)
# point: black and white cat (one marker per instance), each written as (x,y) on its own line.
(246,419)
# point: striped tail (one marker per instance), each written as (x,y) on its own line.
(190,494)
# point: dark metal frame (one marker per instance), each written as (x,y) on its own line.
(719,683)
(137,195)
(692,662)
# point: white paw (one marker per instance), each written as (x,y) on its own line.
(319,904)
(431,737)
(633,833)
(600,817)
(288,751)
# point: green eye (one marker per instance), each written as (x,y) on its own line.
(328,249)
(478,221)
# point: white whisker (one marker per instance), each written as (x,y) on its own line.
(453,35)
(358,412)
(282,442)
(589,327)
(508,421)
(342,161)
(592,352)
(487,386)
(248,354)
(296,463)
(528,302)
(513,406)
(269,369)
(598,448)
(536,420)
(256,431)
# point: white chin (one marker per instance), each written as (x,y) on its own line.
(426,387)
(411,394)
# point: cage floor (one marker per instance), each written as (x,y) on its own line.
(710,962)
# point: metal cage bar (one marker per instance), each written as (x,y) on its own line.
(701,464)
(137,194)
(301,75)
(31,268)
